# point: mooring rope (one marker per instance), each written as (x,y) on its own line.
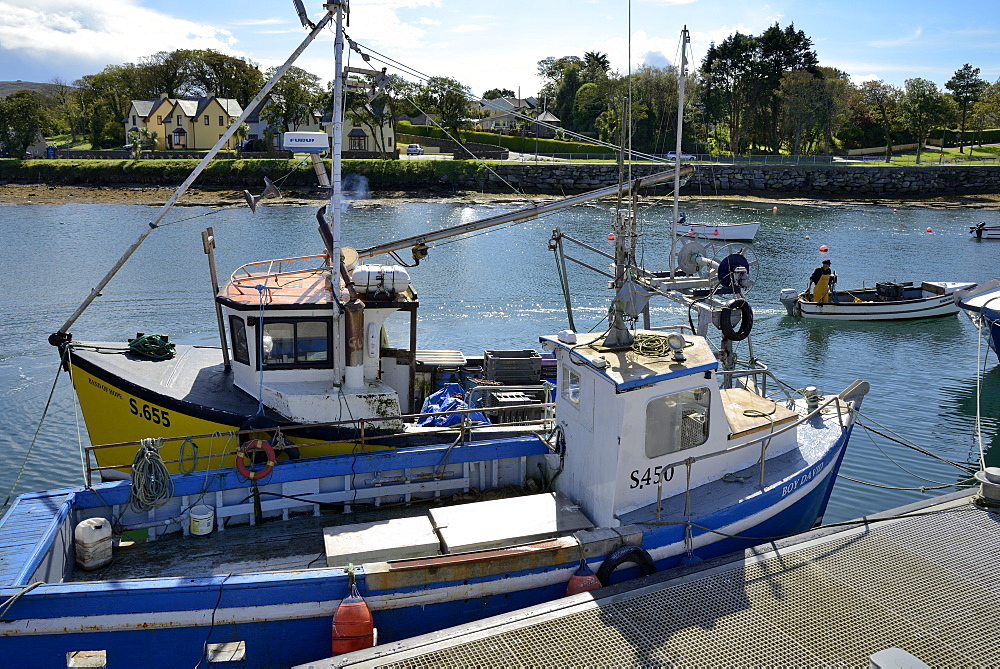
(151,482)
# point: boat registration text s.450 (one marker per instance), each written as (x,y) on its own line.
(654,476)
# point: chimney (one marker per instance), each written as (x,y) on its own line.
(163,96)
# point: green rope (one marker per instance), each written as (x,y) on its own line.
(152,346)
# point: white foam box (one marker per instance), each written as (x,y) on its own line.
(507,522)
(380,541)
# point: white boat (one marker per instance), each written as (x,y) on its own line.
(887,301)
(655,451)
(983,231)
(728,232)
(982,303)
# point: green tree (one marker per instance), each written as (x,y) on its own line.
(778,51)
(292,99)
(834,102)
(20,122)
(922,107)
(216,73)
(966,88)
(883,101)
(169,72)
(447,99)
(801,94)
(496,93)
(104,100)
(728,85)
(986,111)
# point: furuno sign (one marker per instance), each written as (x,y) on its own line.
(306,142)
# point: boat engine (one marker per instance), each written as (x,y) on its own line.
(789,298)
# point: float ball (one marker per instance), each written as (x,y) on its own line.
(824,249)
(611,236)
(929,230)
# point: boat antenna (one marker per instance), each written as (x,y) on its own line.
(338,8)
(681,77)
(62,335)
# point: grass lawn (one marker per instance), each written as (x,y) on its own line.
(65,142)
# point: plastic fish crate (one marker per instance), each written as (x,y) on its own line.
(513,367)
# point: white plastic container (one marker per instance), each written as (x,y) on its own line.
(92,540)
(202,520)
(381,279)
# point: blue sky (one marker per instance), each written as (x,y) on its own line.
(497,44)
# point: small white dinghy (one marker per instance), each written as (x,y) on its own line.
(730,232)
(887,301)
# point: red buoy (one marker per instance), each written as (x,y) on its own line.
(824,249)
(716,233)
(611,236)
(353,628)
(584,580)
(929,230)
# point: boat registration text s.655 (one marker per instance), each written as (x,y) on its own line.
(152,414)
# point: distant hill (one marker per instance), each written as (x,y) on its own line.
(8,87)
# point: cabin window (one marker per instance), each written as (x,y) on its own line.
(238,337)
(297,342)
(677,422)
(571,386)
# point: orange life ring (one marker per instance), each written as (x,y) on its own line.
(243,462)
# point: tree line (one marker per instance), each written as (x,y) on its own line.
(765,94)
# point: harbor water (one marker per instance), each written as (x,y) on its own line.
(499,289)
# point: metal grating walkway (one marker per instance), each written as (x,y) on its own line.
(929,584)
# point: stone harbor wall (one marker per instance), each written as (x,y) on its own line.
(711,179)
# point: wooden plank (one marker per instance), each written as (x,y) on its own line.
(380,541)
(507,522)
(764,413)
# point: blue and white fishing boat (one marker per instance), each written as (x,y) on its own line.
(982,303)
(656,450)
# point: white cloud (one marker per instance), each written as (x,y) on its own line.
(899,41)
(858,79)
(467,28)
(100,33)
(424,21)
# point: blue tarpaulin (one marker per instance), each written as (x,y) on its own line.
(449,398)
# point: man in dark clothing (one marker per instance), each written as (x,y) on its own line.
(825,292)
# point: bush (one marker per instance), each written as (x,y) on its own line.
(512,142)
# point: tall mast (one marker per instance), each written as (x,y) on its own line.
(336,6)
(681,78)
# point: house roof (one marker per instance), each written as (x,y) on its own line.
(548,117)
(357,132)
(144,107)
(187,106)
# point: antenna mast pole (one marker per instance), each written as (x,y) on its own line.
(337,7)
(681,77)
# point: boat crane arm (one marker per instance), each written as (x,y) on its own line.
(418,242)
(62,335)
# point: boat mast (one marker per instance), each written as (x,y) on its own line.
(681,77)
(333,211)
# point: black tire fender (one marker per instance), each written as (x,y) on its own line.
(620,556)
(746,320)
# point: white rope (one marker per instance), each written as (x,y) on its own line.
(151,482)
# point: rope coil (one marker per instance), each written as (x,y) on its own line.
(151,482)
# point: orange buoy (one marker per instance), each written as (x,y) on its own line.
(929,230)
(584,580)
(894,211)
(690,233)
(611,236)
(775,210)
(353,627)
(824,249)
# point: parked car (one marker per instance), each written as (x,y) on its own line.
(684,156)
(414,150)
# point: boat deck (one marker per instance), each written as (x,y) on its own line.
(927,583)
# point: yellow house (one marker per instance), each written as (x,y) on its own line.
(184,123)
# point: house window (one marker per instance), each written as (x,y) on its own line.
(295,343)
(179,118)
(677,422)
(159,119)
(220,120)
(238,338)
(358,144)
(133,119)
(206,119)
